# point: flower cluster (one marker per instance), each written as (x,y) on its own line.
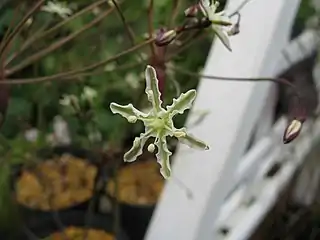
(220,23)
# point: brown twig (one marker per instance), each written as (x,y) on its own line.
(39,35)
(7,33)
(175,12)
(19,26)
(150,27)
(129,31)
(56,45)
(241,79)
(73,73)
(198,35)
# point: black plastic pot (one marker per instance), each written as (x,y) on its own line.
(32,215)
(47,225)
(135,218)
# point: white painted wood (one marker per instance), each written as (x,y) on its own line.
(242,220)
(250,163)
(266,119)
(234,110)
(298,49)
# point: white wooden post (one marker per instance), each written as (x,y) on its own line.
(235,108)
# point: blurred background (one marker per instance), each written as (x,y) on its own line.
(61,160)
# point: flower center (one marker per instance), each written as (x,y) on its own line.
(158,123)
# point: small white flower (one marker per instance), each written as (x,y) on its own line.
(58,8)
(65,101)
(220,22)
(133,80)
(61,131)
(29,21)
(31,135)
(88,93)
(70,101)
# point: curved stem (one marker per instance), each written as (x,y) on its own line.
(244,3)
(20,25)
(39,35)
(73,73)
(175,11)
(198,35)
(129,31)
(240,79)
(56,45)
(150,27)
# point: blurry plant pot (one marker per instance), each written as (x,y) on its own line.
(139,187)
(70,175)
(74,223)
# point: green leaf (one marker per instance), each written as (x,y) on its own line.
(182,103)
(152,89)
(192,142)
(127,111)
(163,156)
(136,149)
(19,107)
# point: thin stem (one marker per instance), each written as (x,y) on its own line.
(150,27)
(129,31)
(97,72)
(56,44)
(126,25)
(240,79)
(7,33)
(175,12)
(20,25)
(186,44)
(39,35)
(238,9)
(73,73)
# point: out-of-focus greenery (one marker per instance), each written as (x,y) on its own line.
(36,105)
(304,13)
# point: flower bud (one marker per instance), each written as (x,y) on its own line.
(292,131)
(151,147)
(165,37)
(191,11)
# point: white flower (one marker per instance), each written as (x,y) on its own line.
(31,135)
(67,100)
(70,101)
(88,93)
(158,123)
(61,131)
(58,8)
(132,80)
(220,21)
